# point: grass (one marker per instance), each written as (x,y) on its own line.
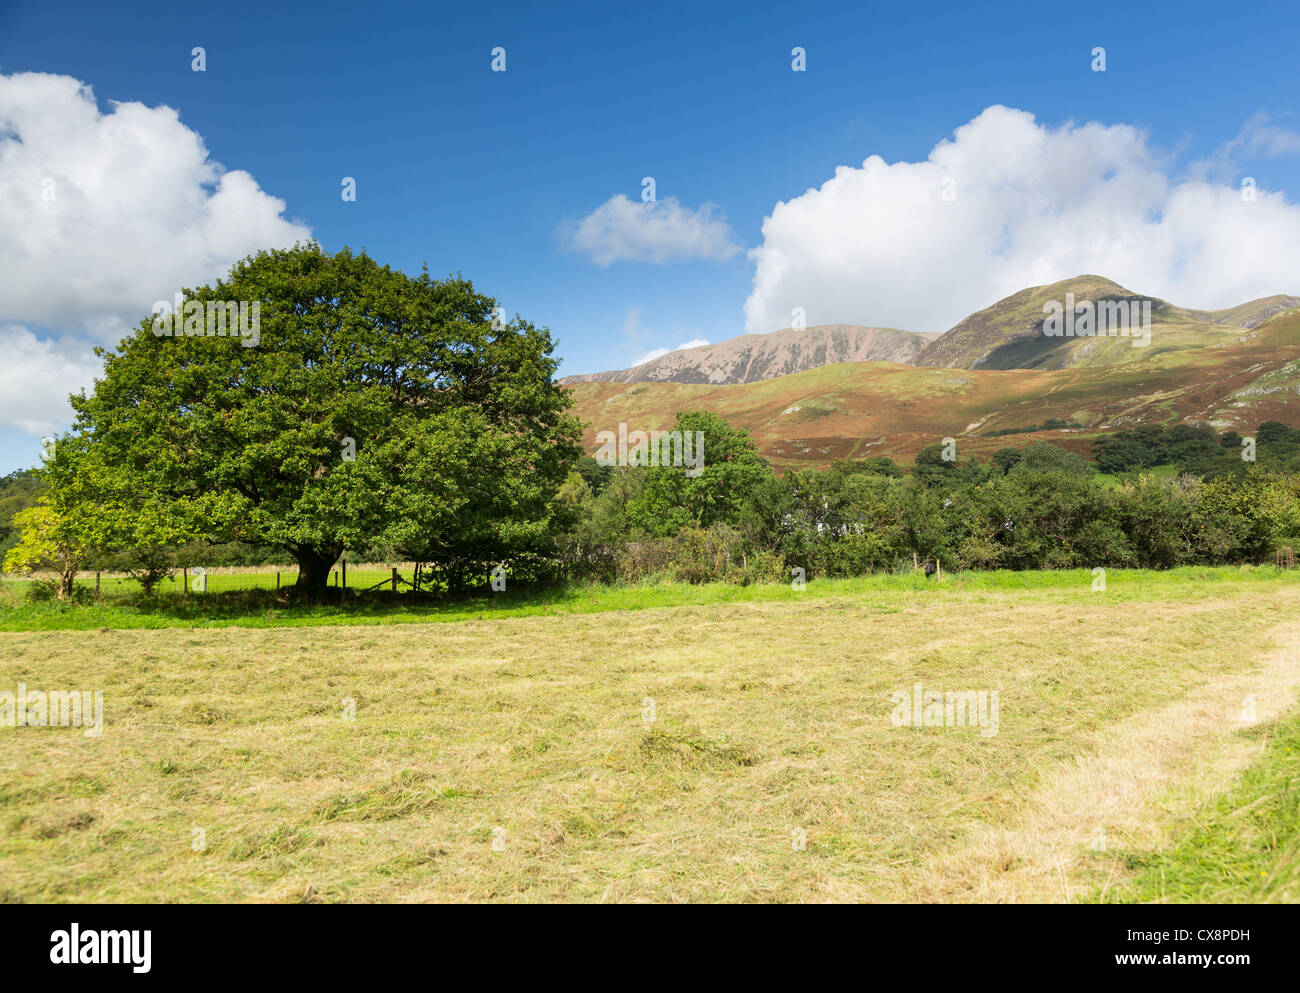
(1243,847)
(231,606)
(1157,471)
(668,753)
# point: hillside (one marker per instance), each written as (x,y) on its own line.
(886,408)
(1009,334)
(754,357)
(18,491)
(1252,314)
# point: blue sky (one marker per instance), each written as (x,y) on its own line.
(480,172)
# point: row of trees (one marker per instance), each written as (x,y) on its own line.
(1046,508)
(1196,450)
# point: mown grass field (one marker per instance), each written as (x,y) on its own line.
(670,744)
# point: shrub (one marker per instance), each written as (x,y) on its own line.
(759,566)
(47,590)
(640,560)
(42,590)
(81,595)
(698,557)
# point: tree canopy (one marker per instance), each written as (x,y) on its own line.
(375,408)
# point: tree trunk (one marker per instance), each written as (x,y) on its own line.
(67,576)
(314,565)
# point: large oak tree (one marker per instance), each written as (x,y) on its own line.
(461,436)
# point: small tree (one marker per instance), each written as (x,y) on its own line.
(148,565)
(130,527)
(50,540)
(1006,459)
(711,492)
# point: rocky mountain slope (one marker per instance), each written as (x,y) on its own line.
(754,357)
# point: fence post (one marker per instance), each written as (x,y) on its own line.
(96,582)
(394,579)
(185,573)
(277,580)
(336,579)
(345,574)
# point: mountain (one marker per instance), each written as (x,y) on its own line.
(1251,315)
(753,357)
(856,409)
(1006,335)
(1009,334)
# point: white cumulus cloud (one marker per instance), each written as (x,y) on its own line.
(102,213)
(1009,203)
(655,231)
(107,212)
(36,377)
(656,353)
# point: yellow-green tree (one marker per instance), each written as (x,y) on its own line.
(49,540)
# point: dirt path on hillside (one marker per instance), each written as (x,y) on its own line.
(1141,775)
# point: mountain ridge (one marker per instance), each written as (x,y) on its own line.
(752,357)
(1007,334)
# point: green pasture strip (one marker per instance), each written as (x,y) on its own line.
(250,606)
